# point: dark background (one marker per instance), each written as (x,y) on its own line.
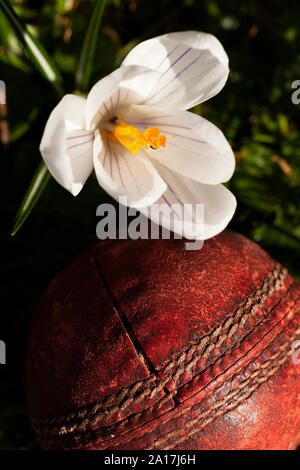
(254,110)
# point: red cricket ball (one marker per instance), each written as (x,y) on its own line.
(145,345)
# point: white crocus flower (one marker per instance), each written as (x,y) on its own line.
(134,130)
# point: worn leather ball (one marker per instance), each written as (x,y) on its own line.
(145,345)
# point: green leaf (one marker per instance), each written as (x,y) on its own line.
(36,187)
(85,64)
(45,65)
(266,138)
(34,49)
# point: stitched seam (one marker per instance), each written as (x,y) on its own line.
(89,416)
(254,375)
(204,349)
(257,377)
(229,396)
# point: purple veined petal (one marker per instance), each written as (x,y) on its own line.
(175,195)
(126,159)
(96,106)
(191,157)
(194,147)
(105,154)
(175,62)
(126,94)
(80,129)
(188,84)
(171,206)
(106,109)
(214,159)
(119,169)
(107,106)
(79,144)
(105,176)
(160,47)
(217,201)
(66,146)
(193,139)
(155,117)
(186,68)
(213,64)
(185,150)
(100,114)
(118,97)
(172,197)
(166,57)
(129,169)
(124,97)
(173,192)
(79,136)
(130,158)
(102,98)
(142,188)
(160,124)
(111,162)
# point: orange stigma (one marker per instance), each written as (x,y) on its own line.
(132,139)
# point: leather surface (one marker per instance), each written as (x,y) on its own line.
(143,344)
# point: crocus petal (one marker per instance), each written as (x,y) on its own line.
(181,199)
(192,66)
(195,148)
(66,146)
(127,84)
(122,174)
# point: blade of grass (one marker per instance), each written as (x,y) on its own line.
(45,65)
(36,188)
(40,58)
(85,64)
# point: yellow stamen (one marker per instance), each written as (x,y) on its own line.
(132,139)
